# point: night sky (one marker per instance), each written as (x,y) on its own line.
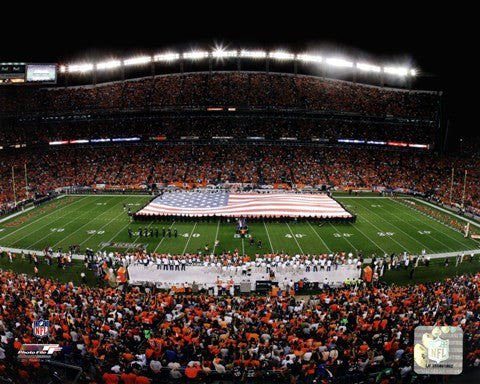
(439,42)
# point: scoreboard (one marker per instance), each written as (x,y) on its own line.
(17,73)
(12,73)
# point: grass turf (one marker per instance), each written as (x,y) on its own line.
(435,272)
(383,226)
(69,274)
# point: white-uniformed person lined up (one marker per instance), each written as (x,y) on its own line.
(236,264)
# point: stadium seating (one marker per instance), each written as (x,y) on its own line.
(260,164)
(228,89)
(115,333)
(302,122)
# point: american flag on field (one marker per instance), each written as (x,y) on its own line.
(245,205)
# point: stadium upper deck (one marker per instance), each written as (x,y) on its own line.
(228,89)
(223,105)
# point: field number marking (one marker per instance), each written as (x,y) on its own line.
(238,236)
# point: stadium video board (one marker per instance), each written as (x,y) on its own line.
(17,73)
(41,73)
(11,73)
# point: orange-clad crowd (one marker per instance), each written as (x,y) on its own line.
(132,336)
(202,165)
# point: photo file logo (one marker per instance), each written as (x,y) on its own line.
(38,351)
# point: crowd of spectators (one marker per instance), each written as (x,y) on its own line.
(227,89)
(137,336)
(140,166)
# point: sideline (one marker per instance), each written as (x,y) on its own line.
(108,194)
(366,260)
(6,218)
(449,212)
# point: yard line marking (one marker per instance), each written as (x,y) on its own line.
(50,223)
(42,217)
(143,195)
(268,235)
(425,223)
(437,221)
(243,247)
(299,247)
(161,241)
(361,197)
(343,237)
(87,223)
(368,237)
(391,237)
(401,230)
(103,226)
(324,243)
(216,237)
(189,237)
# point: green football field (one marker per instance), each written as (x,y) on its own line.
(100,222)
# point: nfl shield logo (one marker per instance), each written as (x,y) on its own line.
(41,328)
(438,350)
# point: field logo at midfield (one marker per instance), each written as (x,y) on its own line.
(115,244)
(41,328)
(438,350)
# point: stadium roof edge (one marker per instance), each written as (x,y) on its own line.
(88,86)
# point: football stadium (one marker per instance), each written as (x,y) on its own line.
(233,214)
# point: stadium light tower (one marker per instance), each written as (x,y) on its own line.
(137,60)
(281,55)
(220,53)
(195,55)
(253,54)
(80,68)
(336,62)
(111,64)
(307,58)
(399,71)
(166,57)
(368,67)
